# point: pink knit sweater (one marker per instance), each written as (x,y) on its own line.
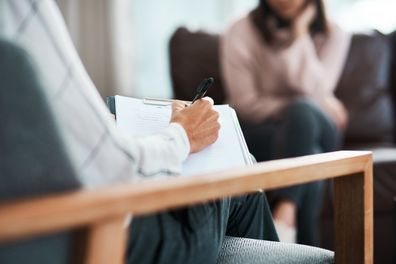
(261,80)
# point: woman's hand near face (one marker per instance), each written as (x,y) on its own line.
(302,22)
(336,111)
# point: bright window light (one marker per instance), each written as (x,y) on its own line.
(153,23)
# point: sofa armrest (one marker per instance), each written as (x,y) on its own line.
(103,211)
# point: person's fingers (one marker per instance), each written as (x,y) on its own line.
(342,115)
(203,107)
(212,117)
(204,102)
(209,129)
(211,124)
(213,128)
(310,10)
(339,120)
(337,112)
(207,98)
(203,122)
(207,136)
(342,120)
(174,106)
(177,105)
(309,13)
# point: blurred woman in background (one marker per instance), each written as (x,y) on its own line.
(281,64)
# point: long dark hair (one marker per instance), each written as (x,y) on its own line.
(263,13)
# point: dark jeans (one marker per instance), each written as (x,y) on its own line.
(301,129)
(195,234)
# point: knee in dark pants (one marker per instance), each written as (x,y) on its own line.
(302,112)
(250,217)
(171,237)
(301,130)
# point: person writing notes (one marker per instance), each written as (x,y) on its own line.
(35,44)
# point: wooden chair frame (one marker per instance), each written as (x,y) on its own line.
(103,212)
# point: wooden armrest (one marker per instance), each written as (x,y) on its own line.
(353,199)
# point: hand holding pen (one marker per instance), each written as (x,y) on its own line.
(199,120)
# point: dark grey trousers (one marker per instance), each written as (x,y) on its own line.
(301,129)
(195,234)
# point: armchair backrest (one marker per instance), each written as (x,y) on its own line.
(33,158)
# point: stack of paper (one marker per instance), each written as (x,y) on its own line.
(229,151)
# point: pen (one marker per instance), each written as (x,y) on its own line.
(203,88)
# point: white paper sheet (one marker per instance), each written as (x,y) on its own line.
(229,151)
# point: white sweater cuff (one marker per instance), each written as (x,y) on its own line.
(181,137)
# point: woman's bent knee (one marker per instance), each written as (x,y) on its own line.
(301,109)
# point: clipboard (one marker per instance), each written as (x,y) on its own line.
(110,101)
(143,117)
(157,101)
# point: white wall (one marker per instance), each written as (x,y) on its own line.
(154,23)
(361,15)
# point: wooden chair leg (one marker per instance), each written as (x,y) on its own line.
(107,242)
(354,218)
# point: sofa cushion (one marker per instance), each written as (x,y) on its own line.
(364,87)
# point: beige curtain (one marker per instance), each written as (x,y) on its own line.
(102,33)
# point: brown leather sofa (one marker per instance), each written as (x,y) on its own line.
(367,87)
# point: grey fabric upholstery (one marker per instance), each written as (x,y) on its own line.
(241,251)
(33,161)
